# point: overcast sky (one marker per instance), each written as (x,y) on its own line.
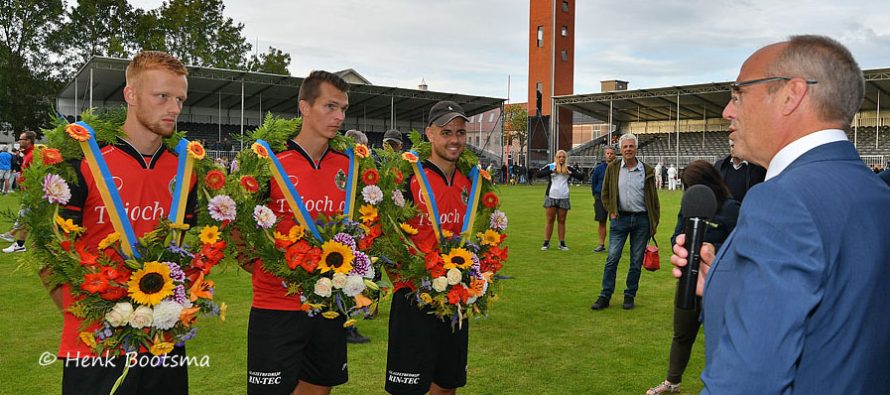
(472,46)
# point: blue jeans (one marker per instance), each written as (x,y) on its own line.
(637,227)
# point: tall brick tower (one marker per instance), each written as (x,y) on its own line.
(551,69)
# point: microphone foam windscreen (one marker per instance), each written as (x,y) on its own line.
(698,201)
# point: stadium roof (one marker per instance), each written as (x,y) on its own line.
(213,88)
(695,101)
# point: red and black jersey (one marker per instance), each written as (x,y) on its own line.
(145,184)
(451,197)
(322,185)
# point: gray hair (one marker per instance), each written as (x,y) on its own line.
(628,136)
(358,136)
(840,86)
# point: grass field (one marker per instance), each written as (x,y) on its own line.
(541,337)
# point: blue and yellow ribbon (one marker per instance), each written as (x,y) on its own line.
(110,196)
(429,198)
(180,191)
(351,184)
(293,198)
(472,204)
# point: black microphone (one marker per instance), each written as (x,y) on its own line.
(698,205)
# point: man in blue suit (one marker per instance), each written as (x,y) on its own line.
(798,300)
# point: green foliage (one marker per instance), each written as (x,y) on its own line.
(199,34)
(95,28)
(275,61)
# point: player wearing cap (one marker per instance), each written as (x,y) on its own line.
(289,351)
(425,353)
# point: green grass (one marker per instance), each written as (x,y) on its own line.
(541,336)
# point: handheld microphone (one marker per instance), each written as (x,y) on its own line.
(698,205)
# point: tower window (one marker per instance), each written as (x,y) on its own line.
(565,6)
(540,36)
(565,31)
(564,55)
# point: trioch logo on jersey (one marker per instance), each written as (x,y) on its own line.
(135,213)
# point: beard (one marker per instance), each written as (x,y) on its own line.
(155,127)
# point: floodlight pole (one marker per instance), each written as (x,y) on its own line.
(678,132)
(242,113)
(879,123)
(91,88)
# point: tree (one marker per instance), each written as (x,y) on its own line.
(275,61)
(516,125)
(196,32)
(26,85)
(96,28)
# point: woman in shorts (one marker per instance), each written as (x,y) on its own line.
(556,197)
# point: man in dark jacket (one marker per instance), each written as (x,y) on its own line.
(597,176)
(738,174)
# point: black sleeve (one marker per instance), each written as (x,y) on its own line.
(544,171)
(79,191)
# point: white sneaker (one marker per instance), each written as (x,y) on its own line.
(563,248)
(6,236)
(15,247)
(545,247)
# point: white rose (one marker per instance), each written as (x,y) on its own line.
(120,314)
(339,280)
(142,317)
(454,276)
(323,287)
(166,314)
(440,284)
(354,286)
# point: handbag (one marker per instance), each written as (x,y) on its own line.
(651,261)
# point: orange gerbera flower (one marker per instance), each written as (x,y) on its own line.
(260,150)
(485,174)
(361,151)
(77,132)
(50,156)
(370,176)
(249,184)
(490,200)
(196,150)
(409,157)
(215,180)
(399,176)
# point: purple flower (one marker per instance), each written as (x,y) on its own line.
(176,272)
(179,295)
(186,337)
(425,283)
(182,251)
(346,239)
(361,266)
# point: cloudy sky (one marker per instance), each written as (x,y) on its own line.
(472,46)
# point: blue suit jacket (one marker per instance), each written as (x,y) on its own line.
(798,299)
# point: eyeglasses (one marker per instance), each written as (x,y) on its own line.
(736,85)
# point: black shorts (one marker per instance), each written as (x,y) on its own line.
(600,214)
(148,374)
(423,349)
(284,347)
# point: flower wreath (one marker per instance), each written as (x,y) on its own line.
(332,270)
(152,301)
(454,278)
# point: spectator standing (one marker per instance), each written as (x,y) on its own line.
(672,177)
(596,185)
(18,233)
(5,170)
(631,199)
(658,168)
(556,197)
(686,322)
(393,139)
(738,174)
